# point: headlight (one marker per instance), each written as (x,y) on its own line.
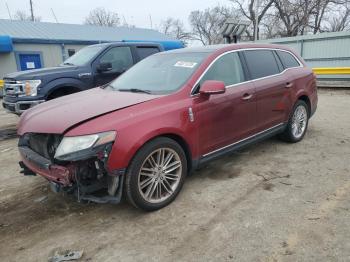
(78,147)
(31,87)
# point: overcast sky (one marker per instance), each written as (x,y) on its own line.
(135,12)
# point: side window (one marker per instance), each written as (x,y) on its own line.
(146,51)
(119,57)
(287,59)
(71,52)
(261,63)
(227,68)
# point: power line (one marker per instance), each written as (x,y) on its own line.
(54,15)
(8,10)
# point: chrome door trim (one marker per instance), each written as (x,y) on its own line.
(242,140)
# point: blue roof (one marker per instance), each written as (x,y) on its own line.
(37,32)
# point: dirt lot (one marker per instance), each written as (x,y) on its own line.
(271,202)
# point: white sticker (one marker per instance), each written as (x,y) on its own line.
(30,65)
(185,64)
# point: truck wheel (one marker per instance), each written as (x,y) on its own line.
(297,124)
(156,174)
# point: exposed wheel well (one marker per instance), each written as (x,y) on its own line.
(307,101)
(62,91)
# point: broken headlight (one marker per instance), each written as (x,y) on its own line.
(82,147)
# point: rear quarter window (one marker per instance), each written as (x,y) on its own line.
(261,63)
(288,60)
(146,51)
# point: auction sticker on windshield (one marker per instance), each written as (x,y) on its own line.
(185,64)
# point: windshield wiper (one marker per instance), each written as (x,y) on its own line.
(135,90)
(67,63)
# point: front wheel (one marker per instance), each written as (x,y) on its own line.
(156,174)
(297,124)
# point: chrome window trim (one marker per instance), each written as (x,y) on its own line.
(242,140)
(248,81)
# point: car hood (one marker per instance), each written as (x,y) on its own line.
(39,73)
(58,115)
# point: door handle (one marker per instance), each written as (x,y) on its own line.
(289,84)
(247,96)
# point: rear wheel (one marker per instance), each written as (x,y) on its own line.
(297,124)
(156,174)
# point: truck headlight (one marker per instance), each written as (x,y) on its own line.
(81,147)
(31,87)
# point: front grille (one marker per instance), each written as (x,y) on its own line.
(43,144)
(13,87)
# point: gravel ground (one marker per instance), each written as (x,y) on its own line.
(270,202)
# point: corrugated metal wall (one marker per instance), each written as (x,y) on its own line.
(322,50)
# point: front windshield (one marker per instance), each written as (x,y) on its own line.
(83,56)
(159,74)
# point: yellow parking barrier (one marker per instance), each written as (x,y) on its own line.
(1,83)
(332,70)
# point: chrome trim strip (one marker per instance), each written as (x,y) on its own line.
(244,139)
(248,81)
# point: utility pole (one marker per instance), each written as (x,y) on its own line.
(31,10)
(256,22)
(150,19)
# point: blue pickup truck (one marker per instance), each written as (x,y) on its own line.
(92,66)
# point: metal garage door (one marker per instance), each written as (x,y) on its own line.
(29,61)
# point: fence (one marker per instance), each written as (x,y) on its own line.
(327,53)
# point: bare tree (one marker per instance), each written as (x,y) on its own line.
(247,9)
(206,24)
(102,17)
(295,15)
(339,19)
(175,29)
(23,16)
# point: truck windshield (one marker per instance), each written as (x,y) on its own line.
(162,73)
(83,56)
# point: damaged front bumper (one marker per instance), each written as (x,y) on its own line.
(99,186)
(62,175)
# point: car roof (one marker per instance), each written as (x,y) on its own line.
(128,44)
(226,47)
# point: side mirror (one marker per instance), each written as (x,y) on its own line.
(104,67)
(212,87)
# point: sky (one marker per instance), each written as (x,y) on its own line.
(134,12)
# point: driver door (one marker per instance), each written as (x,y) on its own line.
(223,119)
(119,57)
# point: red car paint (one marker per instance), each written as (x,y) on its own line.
(219,120)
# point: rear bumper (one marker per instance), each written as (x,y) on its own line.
(20,106)
(63,175)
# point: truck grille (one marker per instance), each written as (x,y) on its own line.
(13,87)
(43,144)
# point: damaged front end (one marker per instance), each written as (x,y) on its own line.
(75,165)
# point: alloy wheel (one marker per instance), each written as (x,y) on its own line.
(299,121)
(159,175)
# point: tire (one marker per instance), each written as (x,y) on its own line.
(292,133)
(165,183)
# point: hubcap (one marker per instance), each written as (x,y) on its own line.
(160,175)
(299,121)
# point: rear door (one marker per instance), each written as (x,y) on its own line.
(145,51)
(223,119)
(273,96)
